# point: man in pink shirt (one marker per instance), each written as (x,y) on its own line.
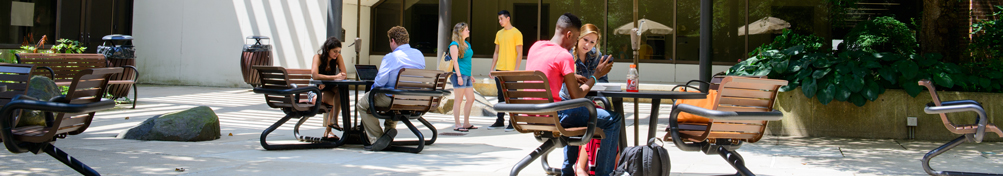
(553,59)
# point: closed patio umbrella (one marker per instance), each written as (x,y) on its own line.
(765,25)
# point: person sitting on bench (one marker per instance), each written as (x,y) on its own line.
(403,56)
(552,58)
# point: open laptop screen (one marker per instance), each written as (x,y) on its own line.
(366,72)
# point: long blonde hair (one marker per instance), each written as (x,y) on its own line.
(586,30)
(458,38)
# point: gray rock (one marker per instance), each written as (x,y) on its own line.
(196,124)
(42,88)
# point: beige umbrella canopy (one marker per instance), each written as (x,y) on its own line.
(765,25)
(649,27)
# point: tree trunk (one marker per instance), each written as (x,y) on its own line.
(940,31)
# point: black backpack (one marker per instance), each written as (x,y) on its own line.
(645,160)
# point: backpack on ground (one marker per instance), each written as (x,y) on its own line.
(646,160)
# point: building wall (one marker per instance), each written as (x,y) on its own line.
(198,42)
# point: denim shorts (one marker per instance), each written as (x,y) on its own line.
(467,81)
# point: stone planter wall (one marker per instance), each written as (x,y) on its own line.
(883,118)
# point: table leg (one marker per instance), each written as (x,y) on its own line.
(618,108)
(637,122)
(653,120)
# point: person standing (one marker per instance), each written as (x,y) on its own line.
(462,80)
(507,57)
(403,56)
(553,59)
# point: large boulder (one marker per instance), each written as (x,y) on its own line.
(41,88)
(196,124)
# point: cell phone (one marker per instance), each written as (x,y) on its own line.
(610,58)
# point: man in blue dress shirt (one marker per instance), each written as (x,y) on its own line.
(403,56)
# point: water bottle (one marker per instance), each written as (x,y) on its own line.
(632,79)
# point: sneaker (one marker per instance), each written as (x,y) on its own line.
(498,123)
(509,128)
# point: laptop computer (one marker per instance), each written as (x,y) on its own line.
(366,72)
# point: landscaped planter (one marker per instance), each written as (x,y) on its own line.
(882,118)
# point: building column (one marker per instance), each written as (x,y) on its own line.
(334,20)
(445,17)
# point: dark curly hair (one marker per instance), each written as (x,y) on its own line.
(331,43)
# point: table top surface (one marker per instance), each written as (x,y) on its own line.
(342,82)
(655,94)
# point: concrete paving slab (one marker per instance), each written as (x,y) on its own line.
(478,152)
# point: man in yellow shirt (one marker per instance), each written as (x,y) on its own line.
(507,57)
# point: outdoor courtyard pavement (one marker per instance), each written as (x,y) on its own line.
(480,152)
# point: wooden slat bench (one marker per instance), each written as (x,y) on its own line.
(284,88)
(62,68)
(417,91)
(739,115)
(529,102)
(72,114)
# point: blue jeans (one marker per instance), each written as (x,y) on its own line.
(610,124)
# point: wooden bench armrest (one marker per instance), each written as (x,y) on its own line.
(956,102)
(554,107)
(134,71)
(727,115)
(982,121)
(374,92)
(52,73)
(293,91)
(431,93)
(8,110)
(688,86)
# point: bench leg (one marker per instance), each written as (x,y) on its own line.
(941,150)
(735,160)
(135,95)
(435,134)
(420,142)
(543,150)
(547,168)
(69,160)
(270,129)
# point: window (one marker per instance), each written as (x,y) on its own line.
(26,22)
(385,16)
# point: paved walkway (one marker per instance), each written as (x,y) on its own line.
(479,152)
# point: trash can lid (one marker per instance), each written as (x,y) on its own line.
(117,37)
(257,37)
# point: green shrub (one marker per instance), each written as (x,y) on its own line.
(787,39)
(883,34)
(853,76)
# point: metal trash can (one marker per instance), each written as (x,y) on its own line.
(255,54)
(119,53)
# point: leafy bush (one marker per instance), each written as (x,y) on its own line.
(883,34)
(853,76)
(68,46)
(812,43)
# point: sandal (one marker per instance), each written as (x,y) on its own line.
(336,127)
(461,129)
(471,127)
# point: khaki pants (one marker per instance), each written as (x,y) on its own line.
(372,124)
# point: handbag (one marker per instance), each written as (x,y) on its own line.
(445,63)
